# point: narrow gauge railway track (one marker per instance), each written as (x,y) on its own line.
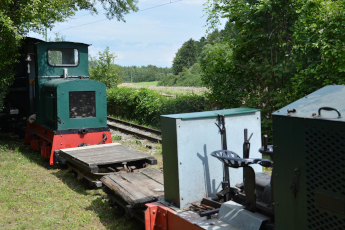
(136,133)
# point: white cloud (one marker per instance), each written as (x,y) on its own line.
(119,55)
(190,2)
(194,2)
(142,45)
(93,50)
(148,37)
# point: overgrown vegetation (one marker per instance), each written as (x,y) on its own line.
(146,106)
(274,52)
(188,77)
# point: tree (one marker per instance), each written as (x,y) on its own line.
(319,46)
(275,52)
(188,77)
(185,57)
(58,38)
(18,17)
(104,70)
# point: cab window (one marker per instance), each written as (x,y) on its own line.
(63,57)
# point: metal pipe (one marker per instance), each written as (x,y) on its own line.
(209,213)
(225,147)
(226,176)
(213,198)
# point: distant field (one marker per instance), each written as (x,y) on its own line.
(146,83)
(167,90)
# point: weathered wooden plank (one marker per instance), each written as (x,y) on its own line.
(97,153)
(88,152)
(104,154)
(115,151)
(90,147)
(144,184)
(127,191)
(109,160)
(114,155)
(154,174)
(89,168)
(119,158)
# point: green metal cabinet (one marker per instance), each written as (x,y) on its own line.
(309,162)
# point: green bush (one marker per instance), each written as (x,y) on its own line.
(188,77)
(121,102)
(168,80)
(146,106)
(184,104)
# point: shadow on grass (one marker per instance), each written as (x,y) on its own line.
(111,218)
(11,142)
(108,216)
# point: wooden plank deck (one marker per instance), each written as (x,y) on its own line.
(91,157)
(137,188)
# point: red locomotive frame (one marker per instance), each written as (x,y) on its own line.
(46,141)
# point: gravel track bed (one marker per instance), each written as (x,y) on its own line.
(131,141)
(134,129)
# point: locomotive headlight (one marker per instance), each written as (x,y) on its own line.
(65,73)
(28,59)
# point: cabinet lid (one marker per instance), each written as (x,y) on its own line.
(326,103)
(214,113)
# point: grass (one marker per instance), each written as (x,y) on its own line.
(146,83)
(175,91)
(116,138)
(155,150)
(36,195)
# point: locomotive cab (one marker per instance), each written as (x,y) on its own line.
(71,109)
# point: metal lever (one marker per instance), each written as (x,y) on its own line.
(226,176)
(246,150)
(265,142)
(266,149)
(246,144)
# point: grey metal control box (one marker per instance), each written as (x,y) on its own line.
(190,172)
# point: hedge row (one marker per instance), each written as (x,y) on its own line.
(146,106)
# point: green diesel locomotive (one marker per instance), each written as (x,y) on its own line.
(53,92)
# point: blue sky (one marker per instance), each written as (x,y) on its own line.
(148,37)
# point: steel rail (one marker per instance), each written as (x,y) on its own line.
(155,131)
(153,139)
